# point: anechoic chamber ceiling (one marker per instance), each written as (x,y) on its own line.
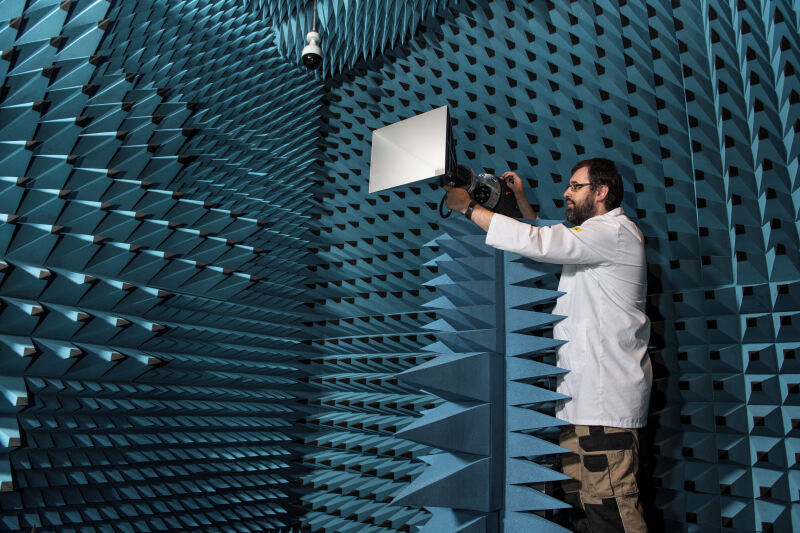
(354,31)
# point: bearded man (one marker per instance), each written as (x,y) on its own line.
(606,329)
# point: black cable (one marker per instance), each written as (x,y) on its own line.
(441,205)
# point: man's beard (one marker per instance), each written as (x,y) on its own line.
(580,212)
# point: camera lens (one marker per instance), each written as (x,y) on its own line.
(482,194)
(312,61)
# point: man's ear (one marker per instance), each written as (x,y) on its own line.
(601,192)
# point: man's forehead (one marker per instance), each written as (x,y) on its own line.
(580,175)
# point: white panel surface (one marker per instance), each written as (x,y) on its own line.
(411,150)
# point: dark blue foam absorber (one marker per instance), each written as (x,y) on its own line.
(351,32)
(151,267)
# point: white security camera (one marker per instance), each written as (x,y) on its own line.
(312,53)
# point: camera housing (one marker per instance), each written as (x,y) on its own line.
(312,53)
(487,189)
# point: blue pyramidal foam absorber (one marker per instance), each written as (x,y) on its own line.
(150,269)
(350,31)
(488,373)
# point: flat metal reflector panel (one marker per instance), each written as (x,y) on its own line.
(411,150)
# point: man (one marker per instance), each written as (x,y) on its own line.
(609,378)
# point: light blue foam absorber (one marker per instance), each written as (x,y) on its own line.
(487,448)
(528,350)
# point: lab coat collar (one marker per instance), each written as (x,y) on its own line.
(617,211)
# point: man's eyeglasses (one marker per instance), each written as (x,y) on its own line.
(575,187)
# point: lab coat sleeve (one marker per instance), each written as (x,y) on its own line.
(594,242)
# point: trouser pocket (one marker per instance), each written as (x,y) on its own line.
(608,462)
(609,474)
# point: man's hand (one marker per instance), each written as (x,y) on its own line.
(457,199)
(514,183)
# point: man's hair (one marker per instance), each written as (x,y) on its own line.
(604,172)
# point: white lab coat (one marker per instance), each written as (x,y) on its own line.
(604,278)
